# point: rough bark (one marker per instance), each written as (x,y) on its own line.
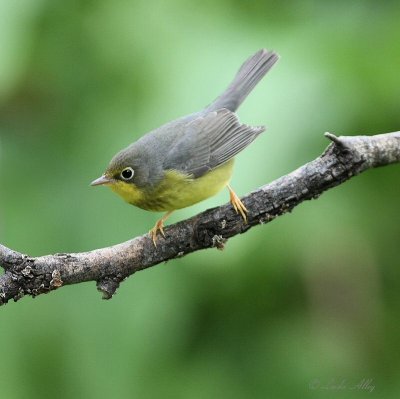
(345,157)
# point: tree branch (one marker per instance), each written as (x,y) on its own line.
(345,157)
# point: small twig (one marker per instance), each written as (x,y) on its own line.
(9,258)
(347,156)
(337,140)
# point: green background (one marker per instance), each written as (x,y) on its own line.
(287,310)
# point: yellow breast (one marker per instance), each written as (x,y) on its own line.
(176,190)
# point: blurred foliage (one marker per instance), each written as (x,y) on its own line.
(312,296)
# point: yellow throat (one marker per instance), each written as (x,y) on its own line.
(176,190)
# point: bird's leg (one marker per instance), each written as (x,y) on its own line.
(237,204)
(159,226)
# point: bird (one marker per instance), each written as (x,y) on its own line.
(191,158)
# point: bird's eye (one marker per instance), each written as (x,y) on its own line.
(127,173)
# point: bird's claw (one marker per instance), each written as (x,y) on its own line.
(238,205)
(159,227)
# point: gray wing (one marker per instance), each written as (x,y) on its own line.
(209,141)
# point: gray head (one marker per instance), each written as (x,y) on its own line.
(127,166)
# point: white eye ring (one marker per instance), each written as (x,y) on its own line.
(127,173)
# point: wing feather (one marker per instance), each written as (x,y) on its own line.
(209,141)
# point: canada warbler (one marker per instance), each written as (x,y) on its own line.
(191,158)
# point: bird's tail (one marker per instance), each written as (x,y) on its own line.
(249,74)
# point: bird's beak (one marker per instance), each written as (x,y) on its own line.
(102,180)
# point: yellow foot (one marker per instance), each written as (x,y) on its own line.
(159,227)
(237,204)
